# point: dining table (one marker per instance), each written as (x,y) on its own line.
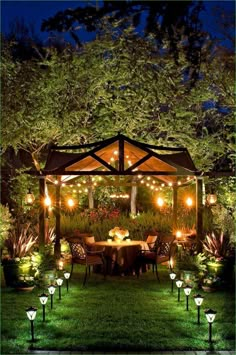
(121,255)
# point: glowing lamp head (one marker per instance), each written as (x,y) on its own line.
(178,234)
(210,315)
(66,275)
(198,299)
(211,199)
(51,289)
(43,298)
(47,201)
(172,275)
(70,202)
(189,202)
(29,198)
(59,281)
(187,290)
(31,312)
(160,202)
(179,283)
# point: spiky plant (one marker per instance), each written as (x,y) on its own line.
(217,245)
(21,241)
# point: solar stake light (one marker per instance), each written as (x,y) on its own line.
(43,300)
(67,276)
(179,284)
(51,290)
(210,316)
(59,282)
(31,314)
(198,300)
(187,291)
(172,277)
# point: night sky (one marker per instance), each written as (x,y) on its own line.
(34,12)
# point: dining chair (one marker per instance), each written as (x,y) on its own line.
(151,241)
(160,253)
(82,256)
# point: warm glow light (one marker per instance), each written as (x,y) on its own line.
(140,176)
(112,159)
(78,184)
(115,152)
(171,263)
(179,182)
(170,184)
(47,201)
(189,202)
(211,199)
(70,202)
(56,182)
(162,185)
(148,178)
(160,201)
(178,234)
(60,265)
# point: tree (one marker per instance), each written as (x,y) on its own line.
(175,25)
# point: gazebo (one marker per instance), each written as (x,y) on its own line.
(117,156)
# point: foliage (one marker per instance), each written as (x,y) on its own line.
(180,24)
(21,241)
(217,245)
(192,262)
(6,223)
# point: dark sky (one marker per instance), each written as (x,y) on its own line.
(35,11)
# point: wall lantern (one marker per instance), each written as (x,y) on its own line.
(29,198)
(211,199)
(189,202)
(160,202)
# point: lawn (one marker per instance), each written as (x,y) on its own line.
(119,313)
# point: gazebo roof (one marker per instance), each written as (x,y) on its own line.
(119,155)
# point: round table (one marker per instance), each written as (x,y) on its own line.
(121,255)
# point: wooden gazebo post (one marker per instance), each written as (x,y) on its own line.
(199,211)
(174,201)
(57,246)
(42,214)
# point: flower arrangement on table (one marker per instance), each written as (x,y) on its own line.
(118,234)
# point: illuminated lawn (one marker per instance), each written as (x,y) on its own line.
(120,313)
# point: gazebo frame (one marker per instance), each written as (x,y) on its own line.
(164,163)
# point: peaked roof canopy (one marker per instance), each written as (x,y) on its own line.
(119,155)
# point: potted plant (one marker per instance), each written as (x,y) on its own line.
(17,256)
(220,253)
(192,266)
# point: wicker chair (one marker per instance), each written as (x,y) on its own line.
(81,255)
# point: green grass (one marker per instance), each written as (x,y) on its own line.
(119,313)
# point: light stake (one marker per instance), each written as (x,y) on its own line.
(172,277)
(43,299)
(31,314)
(59,282)
(51,290)
(67,276)
(187,291)
(198,300)
(179,284)
(210,316)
